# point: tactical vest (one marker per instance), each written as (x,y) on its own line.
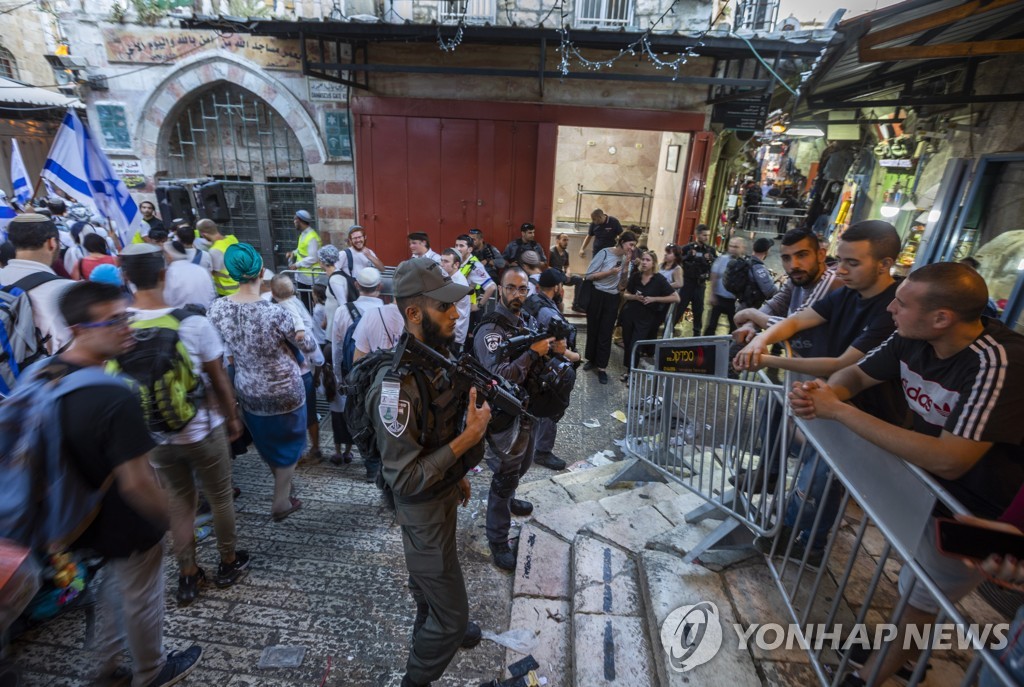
(466,268)
(224,284)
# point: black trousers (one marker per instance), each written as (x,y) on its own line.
(725,306)
(601,316)
(691,293)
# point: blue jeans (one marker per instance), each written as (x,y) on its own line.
(810,487)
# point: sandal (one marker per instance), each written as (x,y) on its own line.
(296,504)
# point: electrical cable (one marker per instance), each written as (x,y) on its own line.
(763,63)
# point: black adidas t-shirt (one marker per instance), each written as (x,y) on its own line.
(977,394)
(103,427)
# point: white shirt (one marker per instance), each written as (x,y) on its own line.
(436,257)
(45,300)
(71,257)
(381,329)
(477,275)
(343,320)
(206,262)
(360,260)
(463,308)
(204,345)
(303,322)
(187,283)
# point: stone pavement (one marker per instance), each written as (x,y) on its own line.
(599,570)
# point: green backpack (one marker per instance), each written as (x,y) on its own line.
(160,369)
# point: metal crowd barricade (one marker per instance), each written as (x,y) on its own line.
(690,423)
(701,429)
(884,508)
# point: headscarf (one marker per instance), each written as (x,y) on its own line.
(106,274)
(328,255)
(243,262)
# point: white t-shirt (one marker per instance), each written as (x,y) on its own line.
(380,329)
(45,300)
(436,257)
(204,345)
(303,322)
(360,260)
(186,283)
(343,320)
(477,275)
(463,308)
(206,262)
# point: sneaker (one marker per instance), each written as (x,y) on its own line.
(188,587)
(602,376)
(179,664)
(503,557)
(336,458)
(549,460)
(472,636)
(229,573)
(520,508)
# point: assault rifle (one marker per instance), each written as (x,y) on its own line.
(465,372)
(517,345)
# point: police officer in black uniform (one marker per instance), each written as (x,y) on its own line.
(697,258)
(511,451)
(543,307)
(525,242)
(425,467)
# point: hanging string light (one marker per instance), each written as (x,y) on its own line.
(449,46)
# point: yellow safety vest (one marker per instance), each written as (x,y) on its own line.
(302,251)
(224,284)
(466,269)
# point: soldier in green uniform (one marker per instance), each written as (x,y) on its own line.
(428,440)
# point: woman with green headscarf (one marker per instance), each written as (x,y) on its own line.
(260,338)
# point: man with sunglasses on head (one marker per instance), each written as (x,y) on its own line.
(511,451)
(425,467)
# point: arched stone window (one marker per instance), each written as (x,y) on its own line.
(8,65)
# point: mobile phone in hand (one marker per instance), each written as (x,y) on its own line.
(977,539)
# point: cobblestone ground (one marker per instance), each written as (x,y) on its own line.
(331,578)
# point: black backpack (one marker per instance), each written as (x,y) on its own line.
(350,279)
(739,281)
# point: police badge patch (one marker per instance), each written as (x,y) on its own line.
(395,419)
(492,341)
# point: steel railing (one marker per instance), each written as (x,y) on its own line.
(700,430)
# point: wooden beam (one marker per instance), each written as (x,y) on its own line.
(968,9)
(942,51)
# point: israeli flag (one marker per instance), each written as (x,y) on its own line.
(19,177)
(77,166)
(7,213)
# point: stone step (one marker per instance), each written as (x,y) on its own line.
(668,584)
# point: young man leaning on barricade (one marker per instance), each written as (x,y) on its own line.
(854,320)
(963,378)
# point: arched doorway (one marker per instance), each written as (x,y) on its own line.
(227,133)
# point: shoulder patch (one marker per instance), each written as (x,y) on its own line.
(395,419)
(492,341)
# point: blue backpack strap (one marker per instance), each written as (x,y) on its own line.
(351,261)
(197,257)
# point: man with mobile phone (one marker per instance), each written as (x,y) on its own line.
(963,377)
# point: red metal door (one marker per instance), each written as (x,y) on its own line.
(696,180)
(458,179)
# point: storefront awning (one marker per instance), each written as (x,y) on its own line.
(915,53)
(17,96)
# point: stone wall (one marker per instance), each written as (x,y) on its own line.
(29,34)
(668,190)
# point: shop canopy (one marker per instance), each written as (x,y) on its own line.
(15,95)
(912,54)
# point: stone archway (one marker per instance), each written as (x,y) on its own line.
(173,93)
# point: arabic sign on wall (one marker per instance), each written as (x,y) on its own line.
(151,46)
(325,90)
(130,172)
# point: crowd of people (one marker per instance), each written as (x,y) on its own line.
(212,352)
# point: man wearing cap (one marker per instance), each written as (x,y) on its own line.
(543,305)
(488,255)
(510,455)
(762,277)
(419,247)
(368,283)
(532,265)
(304,258)
(219,244)
(425,468)
(526,241)
(35,244)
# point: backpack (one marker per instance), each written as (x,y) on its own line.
(739,281)
(348,344)
(21,342)
(197,257)
(160,367)
(353,286)
(45,504)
